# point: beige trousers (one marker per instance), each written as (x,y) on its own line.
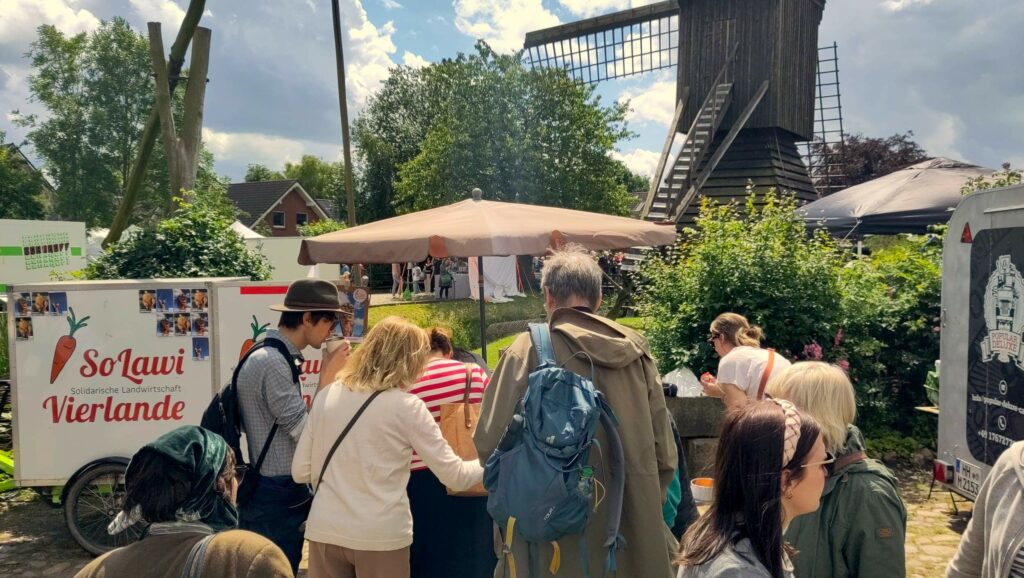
(330,561)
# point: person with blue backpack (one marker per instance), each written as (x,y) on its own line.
(577,441)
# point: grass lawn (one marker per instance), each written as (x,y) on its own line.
(462,317)
(494,347)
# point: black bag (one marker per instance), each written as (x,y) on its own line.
(224,417)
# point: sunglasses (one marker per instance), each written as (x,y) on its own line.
(713,336)
(830,458)
(240,472)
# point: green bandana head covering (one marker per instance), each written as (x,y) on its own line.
(201,453)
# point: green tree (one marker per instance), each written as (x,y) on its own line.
(197,241)
(483,120)
(632,182)
(20,186)
(259,172)
(97,90)
(756,260)
(319,178)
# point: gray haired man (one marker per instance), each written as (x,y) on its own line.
(626,374)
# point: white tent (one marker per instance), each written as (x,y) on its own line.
(245,232)
(500,279)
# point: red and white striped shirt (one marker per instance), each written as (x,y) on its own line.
(444,381)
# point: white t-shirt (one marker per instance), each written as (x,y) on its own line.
(744,365)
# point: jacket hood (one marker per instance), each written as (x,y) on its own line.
(855,443)
(608,343)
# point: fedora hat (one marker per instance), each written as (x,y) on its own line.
(310,295)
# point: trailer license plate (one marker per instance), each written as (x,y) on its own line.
(968,477)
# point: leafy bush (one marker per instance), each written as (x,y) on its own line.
(320,227)
(759,262)
(875,316)
(196,242)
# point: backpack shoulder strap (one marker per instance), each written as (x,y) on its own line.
(767,373)
(193,567)
(283,350)
(540,334)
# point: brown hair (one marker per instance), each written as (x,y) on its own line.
(159,486)
(440,340)
(748,486)
(737,330)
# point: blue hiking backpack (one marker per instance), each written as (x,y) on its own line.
(540,483)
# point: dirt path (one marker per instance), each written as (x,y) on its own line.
(34,541)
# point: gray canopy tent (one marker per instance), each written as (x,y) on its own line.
(905,201)
(478,228)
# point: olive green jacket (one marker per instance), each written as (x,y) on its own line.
(860,526)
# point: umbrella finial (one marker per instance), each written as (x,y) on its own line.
(477,194)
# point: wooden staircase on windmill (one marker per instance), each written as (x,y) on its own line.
(672,194)
(668,190)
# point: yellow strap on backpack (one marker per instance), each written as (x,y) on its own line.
(507,547)
(556,558)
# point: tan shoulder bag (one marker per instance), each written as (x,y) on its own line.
(458,424)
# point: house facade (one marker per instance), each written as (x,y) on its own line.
(280,207)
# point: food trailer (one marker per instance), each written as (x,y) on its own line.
(981,379)
(100,368)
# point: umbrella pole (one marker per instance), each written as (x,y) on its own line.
(480,294)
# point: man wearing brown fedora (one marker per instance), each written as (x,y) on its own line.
(271,400)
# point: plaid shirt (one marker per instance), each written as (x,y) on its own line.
(267,394)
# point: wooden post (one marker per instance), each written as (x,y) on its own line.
(183,151)
(131,188)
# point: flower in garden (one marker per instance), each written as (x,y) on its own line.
(839,338)
(844,365)
(812,351)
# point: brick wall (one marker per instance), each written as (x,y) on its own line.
(291,205)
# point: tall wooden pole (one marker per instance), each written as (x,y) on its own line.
(343,106)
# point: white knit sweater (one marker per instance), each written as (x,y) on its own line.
(362,503)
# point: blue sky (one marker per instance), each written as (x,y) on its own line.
(947,69)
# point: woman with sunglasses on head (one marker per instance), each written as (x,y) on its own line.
(861,524)
(770,467)
(745,368)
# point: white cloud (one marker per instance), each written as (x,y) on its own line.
(20,18)
(503,24)
(391,4)
(654,104)
(244,148)
(588,8)
(640,161)
(166,12)
(414,60)
(898,5)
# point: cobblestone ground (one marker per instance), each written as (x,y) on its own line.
(34,541)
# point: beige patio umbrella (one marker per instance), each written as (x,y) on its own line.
(478,228)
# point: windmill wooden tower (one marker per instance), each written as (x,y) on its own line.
(745,90)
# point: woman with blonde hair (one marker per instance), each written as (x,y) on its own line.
(745,368)
(356,448)
(861,524)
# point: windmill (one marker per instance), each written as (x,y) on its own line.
(749,82)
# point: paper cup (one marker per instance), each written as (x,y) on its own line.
(703,489)
(333,344)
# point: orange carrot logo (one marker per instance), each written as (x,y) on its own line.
(257,330)
(66,345)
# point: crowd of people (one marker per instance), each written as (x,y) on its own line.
(433,276)
(369,480)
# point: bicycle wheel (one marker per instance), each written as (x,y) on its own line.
(92,503)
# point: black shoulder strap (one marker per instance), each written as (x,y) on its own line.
(283,349)
(341,437)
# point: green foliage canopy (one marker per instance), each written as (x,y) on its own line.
(20,187)
(97,90)
(196,242)
(483,120)
(320,227)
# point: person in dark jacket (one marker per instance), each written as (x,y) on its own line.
(859,529)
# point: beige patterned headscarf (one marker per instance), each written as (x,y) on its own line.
(792,435)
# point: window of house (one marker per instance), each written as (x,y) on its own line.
(277,219)
(301,219)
